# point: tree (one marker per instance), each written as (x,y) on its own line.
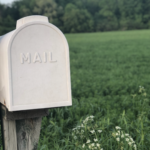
(105,18)
(7,22)
(80,15)
(77,20)
(6,25)
(47,8)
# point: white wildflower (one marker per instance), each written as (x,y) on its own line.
(130,143)
(92,131)
(98,145)
(118,128)
(122,135)
(131,139)
(88,141)
(127,139)
(95,140)
(92,117)
(134,145)
(90,146)
(118,139)
(117,134)
(83,145)
(99,131)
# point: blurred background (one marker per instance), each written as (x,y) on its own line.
(73,16)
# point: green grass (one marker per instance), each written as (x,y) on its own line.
(109,63)
(106,69)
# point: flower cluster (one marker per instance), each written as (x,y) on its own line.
(93,146)
(141,89)
(87,134)
(120,137)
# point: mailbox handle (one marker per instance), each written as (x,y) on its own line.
(33,18)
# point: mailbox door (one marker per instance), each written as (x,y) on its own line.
(40,70)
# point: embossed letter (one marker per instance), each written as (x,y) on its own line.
(24,57)
(45,57)
(51,58)
(37,58)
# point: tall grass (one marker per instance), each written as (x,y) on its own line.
(65,128)
(106,71)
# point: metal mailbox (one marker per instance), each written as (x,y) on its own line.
(34,66)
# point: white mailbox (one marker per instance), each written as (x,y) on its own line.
(34,66)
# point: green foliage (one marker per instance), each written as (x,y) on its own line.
(47,8)
(6,24)
(87,135)
(76,20)
(58,131)
(106,71)
(6,21)
(81,15)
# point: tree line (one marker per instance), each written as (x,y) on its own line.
(75,16)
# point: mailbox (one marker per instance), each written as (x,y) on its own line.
(34,66)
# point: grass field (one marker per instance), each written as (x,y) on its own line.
(106,72)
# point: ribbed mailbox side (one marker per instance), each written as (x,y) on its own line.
(4,69)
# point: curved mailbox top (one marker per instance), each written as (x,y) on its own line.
(34,66)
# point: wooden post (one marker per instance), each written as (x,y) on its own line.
(21,130)
(28,132)
(9,133)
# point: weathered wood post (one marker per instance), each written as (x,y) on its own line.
(34,76)
(21,130)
